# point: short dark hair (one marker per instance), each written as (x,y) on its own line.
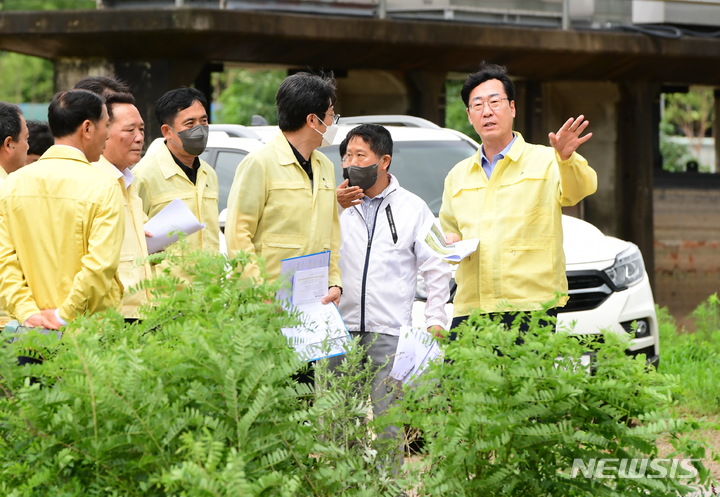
(377,137)
(102,85)
(302,94)
(486,73)
(69,109)
(171,103)
(40,137)
(10,122)
(117,98)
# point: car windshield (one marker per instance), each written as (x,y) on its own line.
(420,166)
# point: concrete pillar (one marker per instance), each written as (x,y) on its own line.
(716,102)
(637,151)
(69,71)
(415,93)
(529,111)
(148,80)
(152,78)
(426,90)
(598,102)
(369,92)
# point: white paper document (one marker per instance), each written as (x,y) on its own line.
(164,226)
(309,286)
(434,240)
(288,268)
(322,332)
(416,349)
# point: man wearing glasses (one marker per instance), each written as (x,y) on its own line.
(509,195)
(282,200)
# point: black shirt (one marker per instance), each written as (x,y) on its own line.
(306,164)
(190,172)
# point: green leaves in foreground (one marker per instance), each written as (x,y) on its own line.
(199,400)
(507,418)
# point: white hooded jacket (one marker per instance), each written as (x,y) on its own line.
(379,274)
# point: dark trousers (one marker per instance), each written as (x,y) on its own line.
(507,319)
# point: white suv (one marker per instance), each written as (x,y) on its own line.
(608,286)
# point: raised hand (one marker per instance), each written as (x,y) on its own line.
(568,138)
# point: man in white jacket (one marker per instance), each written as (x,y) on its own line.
(380,258)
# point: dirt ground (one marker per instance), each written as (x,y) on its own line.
(712,438)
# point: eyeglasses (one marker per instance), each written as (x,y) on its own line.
(335,117)
(493,102)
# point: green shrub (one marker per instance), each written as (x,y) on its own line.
(707,319)
(501,418)
(199,399)
(196,400)
(693,358)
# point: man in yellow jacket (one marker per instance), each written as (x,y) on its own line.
(13,139)
(124,149)
(282,200)
(175,170)
(62,223)
(509,195)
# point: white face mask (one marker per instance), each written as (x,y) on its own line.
(329,135)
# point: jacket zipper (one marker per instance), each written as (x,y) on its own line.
(367,260)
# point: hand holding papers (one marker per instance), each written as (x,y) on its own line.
(434,240)
(322,332)
(173,218)
(416,349)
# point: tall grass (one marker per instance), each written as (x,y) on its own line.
(694,357)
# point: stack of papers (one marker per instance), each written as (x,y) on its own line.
(164,226)
(434,240)
(322,332)
(416,349)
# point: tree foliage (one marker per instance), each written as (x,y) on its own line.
(242,93)
(455,111)
(24,78)
(690,115)
(47,4)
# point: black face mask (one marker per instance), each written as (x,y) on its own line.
(194,140)
(364,177)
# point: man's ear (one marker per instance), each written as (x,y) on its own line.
(7,142)
(310,120)
(165,130)
(87,127)
(385,161)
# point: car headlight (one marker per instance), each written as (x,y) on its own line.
(628,268)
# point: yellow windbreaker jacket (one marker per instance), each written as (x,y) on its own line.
(274,213)
(61,228)
(133,268)
(516,214)
(159,180)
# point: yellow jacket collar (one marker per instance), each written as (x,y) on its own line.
(64,152)
(108,166)
(285,155)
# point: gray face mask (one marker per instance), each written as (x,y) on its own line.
(364,177)
(194,140)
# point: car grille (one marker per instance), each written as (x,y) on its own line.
(587,290)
